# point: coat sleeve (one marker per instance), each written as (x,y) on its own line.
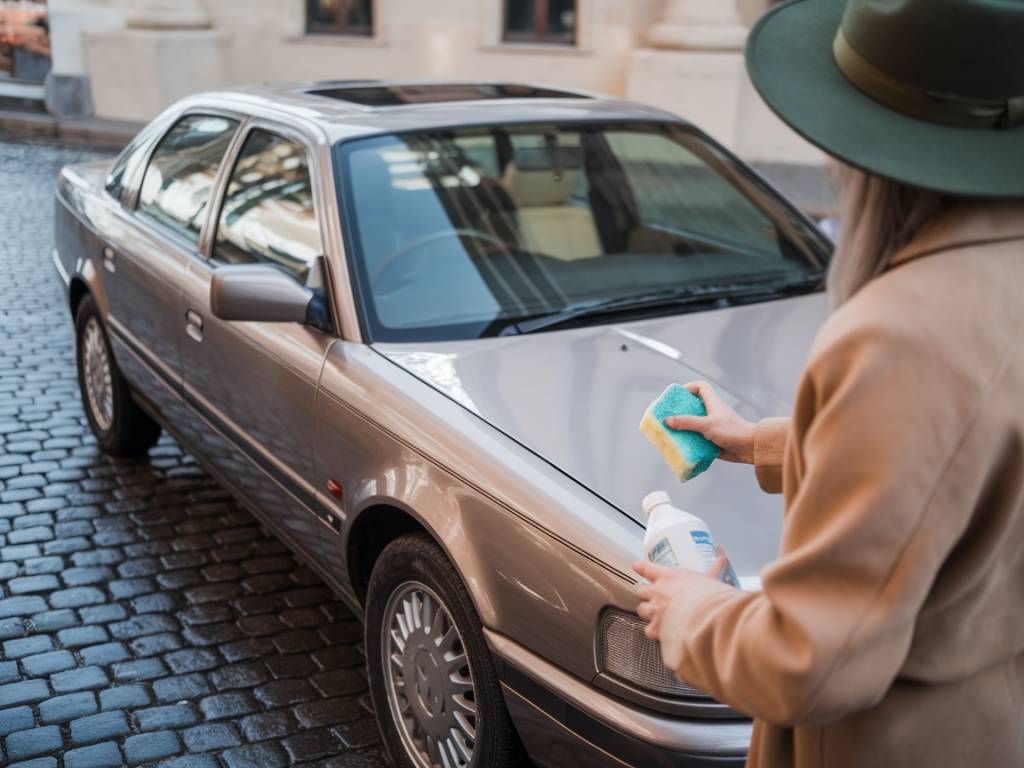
(875,424)
(770,437)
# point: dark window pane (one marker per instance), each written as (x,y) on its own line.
(540,20)
(268,214)
(180,176)
(360,15)
(561,19)
(417,93)
(354,17)
(520,18)
(323,12)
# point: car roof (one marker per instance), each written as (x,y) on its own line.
(351,108)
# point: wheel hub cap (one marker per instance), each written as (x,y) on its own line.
(429,683)
(98,377)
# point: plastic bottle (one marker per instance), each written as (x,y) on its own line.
(678,539)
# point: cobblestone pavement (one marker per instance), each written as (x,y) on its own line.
(145,619)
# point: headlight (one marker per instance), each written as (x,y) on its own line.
(629,655)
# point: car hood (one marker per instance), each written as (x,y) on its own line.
(576,397)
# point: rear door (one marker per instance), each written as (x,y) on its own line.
(147,264)
(253,385)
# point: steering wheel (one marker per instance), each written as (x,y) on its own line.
(405,251)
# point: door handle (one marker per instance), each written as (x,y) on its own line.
(108,259)
(194,325)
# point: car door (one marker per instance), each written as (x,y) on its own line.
(146,260)
(253,385)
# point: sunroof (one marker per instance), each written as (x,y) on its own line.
(429,93)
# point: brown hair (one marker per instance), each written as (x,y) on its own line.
(879,217)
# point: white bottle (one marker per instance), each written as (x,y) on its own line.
(678,539)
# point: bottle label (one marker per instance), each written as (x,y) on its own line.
(662,554)
(706,547)
(709,553)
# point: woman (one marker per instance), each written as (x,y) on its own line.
(890,631)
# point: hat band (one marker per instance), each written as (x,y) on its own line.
(910,100)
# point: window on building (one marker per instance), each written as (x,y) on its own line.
(178,182)
(340,17)
(540,21)
(268,215)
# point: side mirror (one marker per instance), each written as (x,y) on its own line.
(258,293)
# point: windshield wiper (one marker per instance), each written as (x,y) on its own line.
(715,297)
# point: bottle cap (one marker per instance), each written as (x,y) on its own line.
(654,499)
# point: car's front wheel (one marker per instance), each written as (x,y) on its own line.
(120,426)
(432,680)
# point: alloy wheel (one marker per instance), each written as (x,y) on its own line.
(98,375)
(429,681)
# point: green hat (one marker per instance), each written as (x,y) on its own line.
(927,92)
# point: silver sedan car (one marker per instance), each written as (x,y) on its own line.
(413,327)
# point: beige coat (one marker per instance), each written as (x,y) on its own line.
(890,631)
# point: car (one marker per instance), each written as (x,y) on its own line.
(413,326)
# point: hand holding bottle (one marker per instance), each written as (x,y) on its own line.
(666,583)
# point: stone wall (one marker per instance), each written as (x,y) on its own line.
(132,58)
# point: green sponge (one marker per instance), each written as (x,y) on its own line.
(687,453)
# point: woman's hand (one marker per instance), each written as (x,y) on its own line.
(665,584)
(722,426)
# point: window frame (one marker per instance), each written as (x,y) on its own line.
(341,26)
(133,195)
(540,34)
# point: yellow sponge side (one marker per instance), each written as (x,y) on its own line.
(658,434)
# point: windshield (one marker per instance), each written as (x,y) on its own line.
(464,233)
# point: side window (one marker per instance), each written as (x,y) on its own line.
(126,166)
(268,214)
(114,183)
(179,180)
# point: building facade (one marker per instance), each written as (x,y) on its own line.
(128,59)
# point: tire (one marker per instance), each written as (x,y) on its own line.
(410,565)
(121,427)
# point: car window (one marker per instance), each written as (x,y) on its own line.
(268,214)
(115,180)
(128,163)
(179,180)
(467,232)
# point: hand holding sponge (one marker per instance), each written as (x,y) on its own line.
(687,453)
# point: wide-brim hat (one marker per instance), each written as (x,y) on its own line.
(926,92)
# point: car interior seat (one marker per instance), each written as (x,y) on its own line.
(549,223)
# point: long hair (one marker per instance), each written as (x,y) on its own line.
(879,217)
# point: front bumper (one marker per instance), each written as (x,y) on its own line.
(566,723)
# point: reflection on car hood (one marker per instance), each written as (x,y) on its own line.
(575,398)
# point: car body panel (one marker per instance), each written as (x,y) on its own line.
(575,398)
(256,424)
(466,438)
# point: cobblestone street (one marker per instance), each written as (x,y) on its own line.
(145,618)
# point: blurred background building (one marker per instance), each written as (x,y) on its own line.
(128,59)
